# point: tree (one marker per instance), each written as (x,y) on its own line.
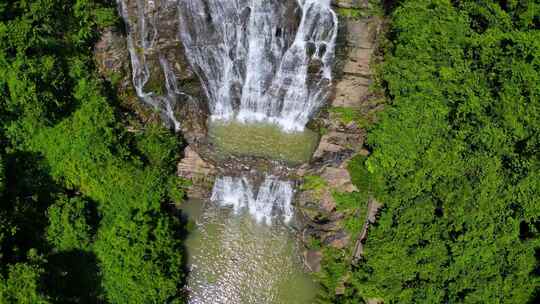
(68,228)
(457,148)
(21,284)
(78,186)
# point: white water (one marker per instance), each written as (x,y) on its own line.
(138,48)
(258,60)
(255,62)
(272,200)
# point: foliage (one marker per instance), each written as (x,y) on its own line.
(369,8)
(313,182)
(353,206)
(142,260)
(68,228)
(349,12)
(20,286)
(457,152)
(177,189)
(79,191)
(361,177)
(346,115)
(333,272)
(2,177)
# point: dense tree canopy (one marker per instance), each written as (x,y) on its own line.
(458,149)
(80,196)
(456,160)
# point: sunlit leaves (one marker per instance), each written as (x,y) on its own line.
(458,150)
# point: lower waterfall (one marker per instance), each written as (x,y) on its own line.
(235,256)
(271,201)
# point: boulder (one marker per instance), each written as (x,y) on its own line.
(200,172)
(339,179)
(338,240)
(351,3)
(312,260)
(336,142)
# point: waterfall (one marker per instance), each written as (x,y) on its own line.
(261,60)
(138,48)
(273,198)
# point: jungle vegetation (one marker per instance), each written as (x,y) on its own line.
(456,161)
(83,213)
(456,155)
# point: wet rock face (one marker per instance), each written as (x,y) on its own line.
(146,61)
(350,3)
(154,26)
(261,61)
(199,171)
(111,55)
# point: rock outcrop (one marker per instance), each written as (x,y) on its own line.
(357,4)
(354,86)
(147,63)
(371,217)
(343,139)
(200,172)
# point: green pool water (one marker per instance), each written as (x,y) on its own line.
(234,260)
(262,140)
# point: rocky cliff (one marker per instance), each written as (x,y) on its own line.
(351,109)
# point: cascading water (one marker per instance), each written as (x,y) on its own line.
(138,48)
(272,200)
(246,257)
(261,60)
(258,60)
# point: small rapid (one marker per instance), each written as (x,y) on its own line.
(271,201)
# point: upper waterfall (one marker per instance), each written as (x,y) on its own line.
(261,60)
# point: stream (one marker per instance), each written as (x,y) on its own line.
(235,259)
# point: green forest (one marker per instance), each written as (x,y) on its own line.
(86,207)
(84,214)
(456,159)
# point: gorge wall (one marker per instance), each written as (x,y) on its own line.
(272,62)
